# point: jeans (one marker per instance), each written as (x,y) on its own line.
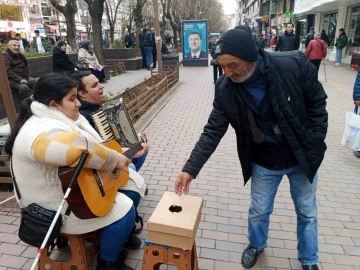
(148,53)
(113,236)
(138,162)
(143,60)
(264,185)
(154,57)
(99,74)
(134,196)
(338,55)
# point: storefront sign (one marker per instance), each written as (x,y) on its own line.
(14,2)
(11,13)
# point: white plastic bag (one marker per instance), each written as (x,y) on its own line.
(351,136)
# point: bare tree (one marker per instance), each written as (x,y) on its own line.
(96,10)
(69,10)
(85,17)
(111,8)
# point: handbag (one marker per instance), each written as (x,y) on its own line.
(82,65)
(36,221)
(213,62)
(351,135)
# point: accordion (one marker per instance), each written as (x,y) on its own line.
(112,121)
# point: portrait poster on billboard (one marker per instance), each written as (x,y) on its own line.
(195,43)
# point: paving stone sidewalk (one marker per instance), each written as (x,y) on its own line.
(222,234)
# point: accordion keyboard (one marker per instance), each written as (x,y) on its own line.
(102,126)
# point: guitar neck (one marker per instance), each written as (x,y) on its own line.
(133,150)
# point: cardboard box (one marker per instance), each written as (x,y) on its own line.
(175,229)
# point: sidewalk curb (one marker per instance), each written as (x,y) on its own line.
(147,118)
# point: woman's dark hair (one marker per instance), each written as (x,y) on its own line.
(53,86)
(85,44)
(60,43)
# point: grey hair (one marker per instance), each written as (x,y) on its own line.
(317,34)
(12,41)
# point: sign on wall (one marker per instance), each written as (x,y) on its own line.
(195,42)
(11,13)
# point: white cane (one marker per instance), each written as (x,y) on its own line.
(83,157)
(8,199)
(324,70)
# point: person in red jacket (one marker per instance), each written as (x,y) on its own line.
(316,50)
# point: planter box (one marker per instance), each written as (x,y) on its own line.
(169,227)
(120,53)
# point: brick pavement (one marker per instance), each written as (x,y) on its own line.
(222,234)
(118,84)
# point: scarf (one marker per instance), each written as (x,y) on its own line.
(84,128)
(81,124)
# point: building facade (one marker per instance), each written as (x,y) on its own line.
(331,15)
(25,16)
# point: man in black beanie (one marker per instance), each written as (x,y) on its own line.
(277,107)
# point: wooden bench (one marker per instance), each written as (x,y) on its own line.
(115,67)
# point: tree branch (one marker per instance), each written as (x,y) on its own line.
(59,7)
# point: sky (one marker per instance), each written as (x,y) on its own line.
(229,6)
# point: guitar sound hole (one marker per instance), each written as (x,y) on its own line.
(115,173)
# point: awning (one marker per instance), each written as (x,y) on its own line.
(302,6)
(52,27)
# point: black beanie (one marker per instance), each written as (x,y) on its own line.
(238,42)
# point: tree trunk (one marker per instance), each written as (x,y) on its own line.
(138,19)
(97,36)
(70,30)
(176,43)
(96,10)
(69,10)
(112,34)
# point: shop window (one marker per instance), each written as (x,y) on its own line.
(34,9)
(330,23)
(46,11)
(354,27)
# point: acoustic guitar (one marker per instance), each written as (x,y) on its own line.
(94,193)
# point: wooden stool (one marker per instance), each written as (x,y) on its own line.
(80,254)
(156,255)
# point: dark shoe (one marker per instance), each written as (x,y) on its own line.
(250,256)
(357,154)
(310,267)
(133,242)
(146,191)
(118,265)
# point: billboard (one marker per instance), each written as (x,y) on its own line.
(195,40)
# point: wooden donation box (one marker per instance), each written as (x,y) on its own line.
(171,233)
(175,221)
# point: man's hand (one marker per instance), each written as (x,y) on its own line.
(182,183)
(357,102)
(23,81)
(145,148)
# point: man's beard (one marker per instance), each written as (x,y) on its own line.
(246,74)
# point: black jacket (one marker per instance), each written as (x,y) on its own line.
(61,61)
(87,109)
(298,101)
(146,38)
(287,42)
(309,37)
